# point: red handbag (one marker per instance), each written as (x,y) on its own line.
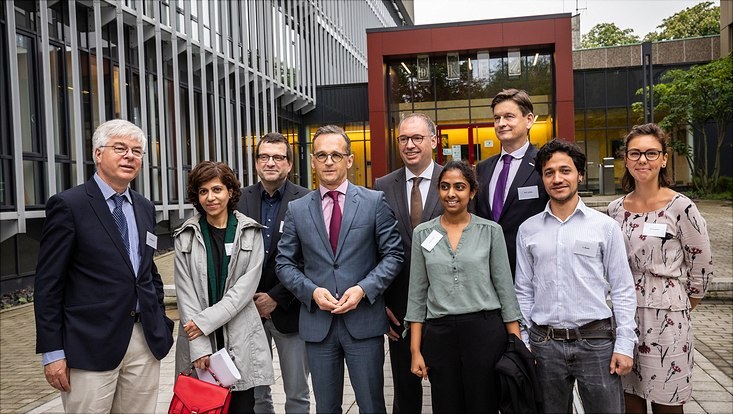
(191,395)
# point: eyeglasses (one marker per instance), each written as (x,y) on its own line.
(122,150)
(264,158)
(416,139)
(336,157)
(650,155)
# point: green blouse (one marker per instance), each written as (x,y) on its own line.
(475,277)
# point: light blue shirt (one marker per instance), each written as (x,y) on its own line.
(566,268)
(107,193)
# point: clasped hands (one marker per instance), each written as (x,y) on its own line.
(349,300)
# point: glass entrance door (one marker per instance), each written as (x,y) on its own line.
(471,143)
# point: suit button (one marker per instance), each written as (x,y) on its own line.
(335,266)
(132,313)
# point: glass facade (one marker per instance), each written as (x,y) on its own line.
(456,89)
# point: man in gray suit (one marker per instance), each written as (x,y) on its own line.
(346,238)
(412,193)
(267,202)
(521,193)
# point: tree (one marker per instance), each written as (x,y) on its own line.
(691,99)
(702,19)
(608,34)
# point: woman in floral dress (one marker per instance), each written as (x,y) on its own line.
(669,255)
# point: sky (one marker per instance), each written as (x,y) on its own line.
(643,16)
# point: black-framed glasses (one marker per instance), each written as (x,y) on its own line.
(122,150)
(336,157)
(416,139)
(650,155)
(264,158)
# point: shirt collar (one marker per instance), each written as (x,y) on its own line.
(581,208)
(279,192)
(427,174)
(518,154)
(341,189)
(107,191)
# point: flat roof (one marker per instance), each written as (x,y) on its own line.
(471,23)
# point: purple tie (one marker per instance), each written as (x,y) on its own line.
(335,226)
(500,189)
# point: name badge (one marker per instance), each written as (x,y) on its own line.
(528,193)
(585,248)
(151,240)
(282,224)
(432,239)
(654,229)
(228,248)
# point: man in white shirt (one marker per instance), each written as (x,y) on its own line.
(567,257)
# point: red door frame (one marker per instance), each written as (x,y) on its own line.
(470,127)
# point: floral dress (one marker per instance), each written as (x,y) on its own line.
(670,259)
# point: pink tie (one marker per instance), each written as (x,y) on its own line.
(335,226)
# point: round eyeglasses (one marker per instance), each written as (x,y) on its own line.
(416,139)
(122,150)
(336,157)
(650,155)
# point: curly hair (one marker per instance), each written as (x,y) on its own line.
(627,181)
(206,171)
(560,145)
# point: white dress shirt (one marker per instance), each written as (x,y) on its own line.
(564,269)
(425,184)
(513,168)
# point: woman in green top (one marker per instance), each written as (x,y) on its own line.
(461,302)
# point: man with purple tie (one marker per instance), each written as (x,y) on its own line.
(511,191)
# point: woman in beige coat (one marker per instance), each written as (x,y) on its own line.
(218,261)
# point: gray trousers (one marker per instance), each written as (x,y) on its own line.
(294,370)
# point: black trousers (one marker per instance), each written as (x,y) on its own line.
(460,352)
(242,402)
(407,386)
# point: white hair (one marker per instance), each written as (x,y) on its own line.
(118,128)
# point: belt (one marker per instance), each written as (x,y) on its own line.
(603,329)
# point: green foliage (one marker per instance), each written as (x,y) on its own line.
(608,34)
(702,19)
(689,99)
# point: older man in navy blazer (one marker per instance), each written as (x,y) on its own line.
(347,239)
(100,319)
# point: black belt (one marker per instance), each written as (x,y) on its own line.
(603,329)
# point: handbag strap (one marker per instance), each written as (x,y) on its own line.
(189,372)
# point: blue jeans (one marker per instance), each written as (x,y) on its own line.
(561,363)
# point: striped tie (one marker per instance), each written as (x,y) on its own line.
(121,221)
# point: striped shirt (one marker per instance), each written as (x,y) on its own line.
(565,270)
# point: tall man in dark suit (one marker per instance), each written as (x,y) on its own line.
(521,193)
(413,195)
(267,202)
(100,319)
(347,239)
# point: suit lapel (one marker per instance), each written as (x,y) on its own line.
(317,216)
(351,205)
(101,210)
(399,193)
(523,173)
(432,201)
(142,228)
(289,193)
(490,170)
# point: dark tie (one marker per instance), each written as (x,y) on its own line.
(335,226)
(415,202)
(121,221)
(498,203)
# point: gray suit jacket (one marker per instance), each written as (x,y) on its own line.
(394,187)
(369,254)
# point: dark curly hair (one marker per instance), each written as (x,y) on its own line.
(627,181)
(206,171)
(468,173)
(560,145)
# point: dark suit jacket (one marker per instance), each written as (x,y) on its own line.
(394,187)
(285,315)
(85,286)
(515,211)
(369,254)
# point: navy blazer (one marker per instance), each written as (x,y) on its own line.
(85,287)
(369,254)
(515,211)
(285,315)
(395,191)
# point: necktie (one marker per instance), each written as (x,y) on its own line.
(500,189)
(415,202)
(335,226)
(120,220)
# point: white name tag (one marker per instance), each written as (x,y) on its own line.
(151,240)
(654,229)
(228,248)
(528,193)
(431,241)
(282,224)
(585,248)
